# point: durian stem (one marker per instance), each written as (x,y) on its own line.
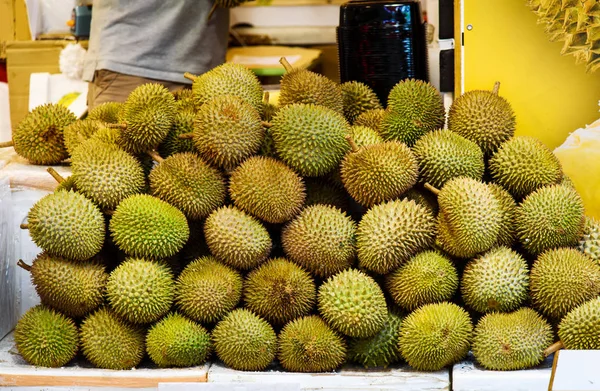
(266,97)
(212,11)
(24,226)
(431,188)
(286,64)
(352,143)
(555,347)
(155,156)
(117,126)
(496,88)
(186,135)
(55,175)
(189,76)
(266,124)
(23,265)
(7,144)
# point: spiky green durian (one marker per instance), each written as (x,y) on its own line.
(469,219)
(207,290)
(381,172)
(176,341)
(267,189)
(381,349)
(562,279)
(67,184)
(523,164)
(245,341)
(184,100)
(267,147)
(352,303)
(321,191)
(580,328)
(236,238)
(364,136)
(504,342)
(182,124)
(422,197)
(434,336)
(415,107)
(443,155)
(321,239)
(589,243)
(67,225)
(390,233)
(109,342)
(106,112)
(227,130)
(496,281)
(428,277)
(73,288)
(140,291)
(371,119)
(310,139)
(148,115)
(46,338)
(309,345)
(552,216)
(145,226)
(358,98)
(39,136)
(79,131)
(185,181)
(108,136)
(105,173)
(483,117)
(508,214)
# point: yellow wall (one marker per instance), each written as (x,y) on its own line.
(551,95)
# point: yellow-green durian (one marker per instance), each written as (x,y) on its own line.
(589,243)
(371,119)
(379,350)
(182,124)
(508,214)
(79,131)
(580,328)
(358,98)
(106,112)
(364,136)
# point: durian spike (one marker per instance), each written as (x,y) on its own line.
(7,144)
(55,175)
(496,88)
(189,76)
(116,126)
(288,67)
(266,124)
(431,188)
(569,4)
(352,143)
(212,11)
(555,347)
(155,156)
(266,97)
(23,265)
(24,226)
(186,136)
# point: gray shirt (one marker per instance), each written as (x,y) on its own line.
(156,39)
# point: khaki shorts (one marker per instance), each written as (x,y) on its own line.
(109,86)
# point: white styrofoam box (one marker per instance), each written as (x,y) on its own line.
(228,387)
(286,16)
(8,280)
(348,378)
(5,129)
(468,376)
(49,88)
(577,370)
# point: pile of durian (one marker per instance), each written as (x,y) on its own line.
(212,225)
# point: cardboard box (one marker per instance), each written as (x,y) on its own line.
(14,23)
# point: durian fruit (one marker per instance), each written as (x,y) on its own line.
(415,107)
(267,189)
(311,139)
(580,328)
(107,135)
(422,197)
(469,219)
(176,341)
(46,338)
(236,238)
(508,214)
(358,98)
(145,226)
(148,115)
(73,288)
(182,124)
(497,281)
(562,279)
(381,349)
(206,290)
(185,181)
(380,172)
(524,164)
(279,291)
(352,303)
(321,191)
(105,173)
(371,119)
(504,342)
(79,131)
(428,277)
(244,341)
(140,291)
(184,100)
(322,239)
(589,243)
(227,130)
(364,136)
(227,79)
(550,217)
(106,112)
(483,117)
(304,86)
(67,225)
(308,344)
(443,155)
(391,233)
(39,136)
(435,336)
(109,342)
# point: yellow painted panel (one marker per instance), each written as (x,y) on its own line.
(551,95)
